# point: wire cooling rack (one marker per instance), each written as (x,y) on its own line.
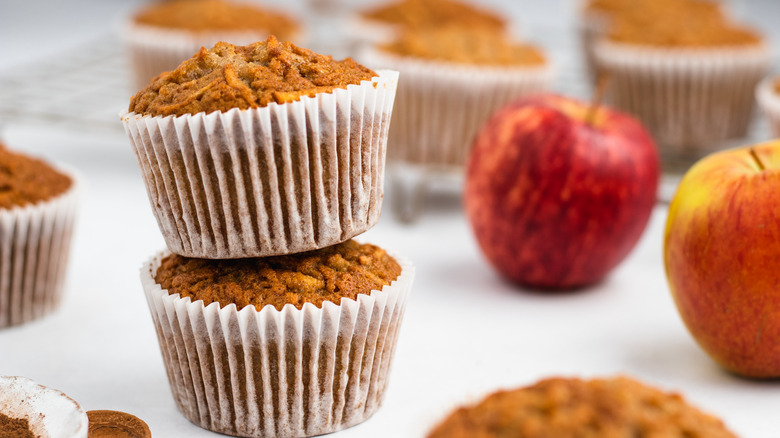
(83,89)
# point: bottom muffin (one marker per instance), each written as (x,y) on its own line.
(573,408)
(285,346)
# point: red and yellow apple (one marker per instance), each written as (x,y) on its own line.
(557,193)
(722,257)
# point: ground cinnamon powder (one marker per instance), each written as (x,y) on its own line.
(228,76)
(327,274)
(14,427)
(25,180)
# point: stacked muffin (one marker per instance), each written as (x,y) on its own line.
(162,35)
(685,69)
(261,162)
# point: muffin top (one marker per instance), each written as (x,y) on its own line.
(568,408)
(432,13)
(672,23)
(327,274)
(219,15)
(474,46)
(228,76)
(676,31)
(25,180)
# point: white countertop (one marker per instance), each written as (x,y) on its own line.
(466,331)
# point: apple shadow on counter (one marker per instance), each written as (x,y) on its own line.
(682,359)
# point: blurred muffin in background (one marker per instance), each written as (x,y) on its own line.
(597,16)
(454,78)
(37,211)
(768,96)
(383,23)
(569,407)
(166,33)
(688,76)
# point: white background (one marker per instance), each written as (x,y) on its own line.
(466,331)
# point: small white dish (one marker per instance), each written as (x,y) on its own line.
(49,412)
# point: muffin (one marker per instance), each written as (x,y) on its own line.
(259,150)
(768,96)
(165,33)
(30,410)
(296,345)
(384,22)
(596,17)
(454,79)
(560,407)
(689,79)
(37,210)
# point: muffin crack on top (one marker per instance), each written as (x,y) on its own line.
(228,76)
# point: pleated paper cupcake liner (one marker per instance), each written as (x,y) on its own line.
(49,412)
(153,50)
(691,100)
(270,373)
(267,181)
(769,101)
(440,106)
(34,252)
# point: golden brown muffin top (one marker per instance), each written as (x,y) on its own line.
(219,15)
(25,180)
(672,23)
(228,76)
(574,408)
(675,31)
(328,274)
(474,46)
(431,13)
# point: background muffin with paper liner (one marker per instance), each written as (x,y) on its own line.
(37,213)
(768,96)
(689,78)
(165,33)
(266,149)
(595,18)
(572,407)
(454,78)
(295,345)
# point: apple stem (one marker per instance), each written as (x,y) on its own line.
(598,95)
(756,159)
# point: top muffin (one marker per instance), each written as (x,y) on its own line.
(215,15)
(25,180)
(228,76)
(427,13)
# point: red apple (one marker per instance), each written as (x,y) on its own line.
(722,257)
(557,194)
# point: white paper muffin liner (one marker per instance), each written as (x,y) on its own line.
(769,101)
(34,252)
(153,50)
(50,413)
(441,106)
(270,373)
(266,181)
(691,100)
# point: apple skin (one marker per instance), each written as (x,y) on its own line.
(722,257)
(555,200)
